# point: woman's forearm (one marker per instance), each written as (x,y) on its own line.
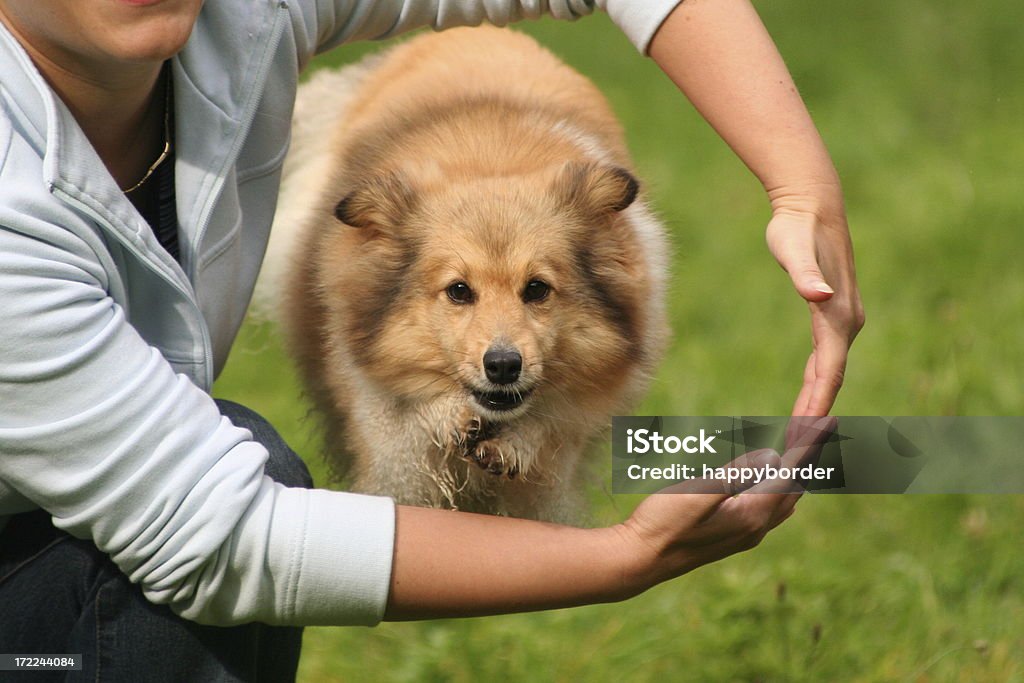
(722,58)
(459,564)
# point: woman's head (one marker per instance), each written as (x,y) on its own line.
(87,37)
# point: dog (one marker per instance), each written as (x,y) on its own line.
(473,282)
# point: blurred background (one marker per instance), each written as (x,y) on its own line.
(922,106)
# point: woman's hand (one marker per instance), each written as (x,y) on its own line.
(814,248)
(702,521)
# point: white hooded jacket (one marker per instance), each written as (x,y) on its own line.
(109,347)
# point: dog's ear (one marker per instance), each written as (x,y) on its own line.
(596,189)
(381,203)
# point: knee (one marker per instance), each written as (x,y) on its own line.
(283,464)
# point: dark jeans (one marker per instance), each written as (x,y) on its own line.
(60,595)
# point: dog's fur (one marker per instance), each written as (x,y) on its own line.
(471,156)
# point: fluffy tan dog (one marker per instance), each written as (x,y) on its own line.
(474,284)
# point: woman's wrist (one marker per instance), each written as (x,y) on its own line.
(821,199)
(636,560)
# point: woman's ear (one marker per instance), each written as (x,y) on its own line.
(596,189)
(381,203)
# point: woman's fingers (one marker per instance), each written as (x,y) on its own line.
(831,346)
(819,261)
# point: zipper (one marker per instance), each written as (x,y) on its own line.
(245,123)
(248,115)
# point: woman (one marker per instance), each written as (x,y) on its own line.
(140,150)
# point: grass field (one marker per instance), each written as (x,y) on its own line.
(922,105)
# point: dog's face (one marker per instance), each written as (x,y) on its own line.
(503,294)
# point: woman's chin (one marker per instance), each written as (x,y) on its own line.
(150,42)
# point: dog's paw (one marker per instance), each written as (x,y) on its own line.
(488,456)
(474,431)
(481,444)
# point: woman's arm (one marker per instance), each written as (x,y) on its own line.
(458,564)
(323,24)
(722,58)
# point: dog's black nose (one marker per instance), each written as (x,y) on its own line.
(502,366)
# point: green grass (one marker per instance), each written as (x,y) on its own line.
(922,105)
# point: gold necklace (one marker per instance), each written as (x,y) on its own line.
(167,137)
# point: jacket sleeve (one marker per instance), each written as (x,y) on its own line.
(97,429)
(328,23)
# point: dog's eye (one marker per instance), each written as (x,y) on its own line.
(536,290)
(460,293)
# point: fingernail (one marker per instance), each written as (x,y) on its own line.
(823,287)
(765,457)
